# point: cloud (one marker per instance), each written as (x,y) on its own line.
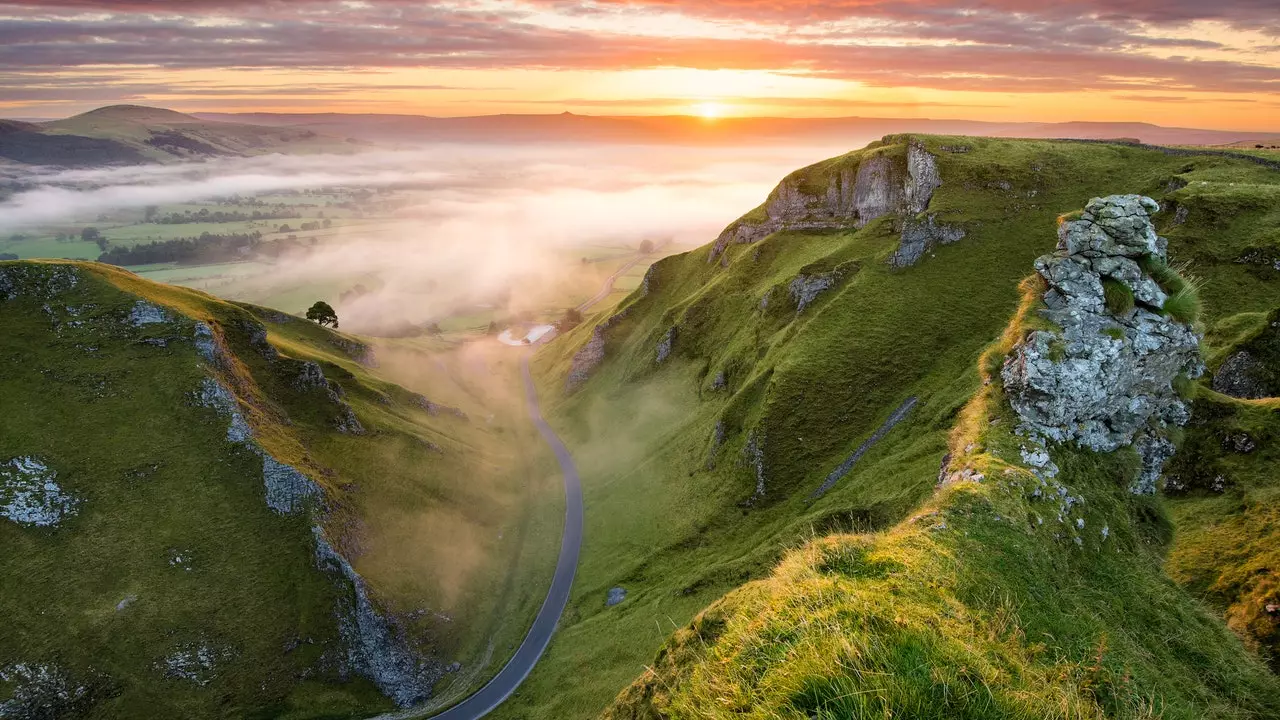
(1001,46)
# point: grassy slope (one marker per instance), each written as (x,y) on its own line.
(158,476)
(133,126)
(674,533)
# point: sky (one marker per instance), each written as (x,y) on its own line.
(1188,63)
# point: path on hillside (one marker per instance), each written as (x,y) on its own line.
(544,625)
(608,284)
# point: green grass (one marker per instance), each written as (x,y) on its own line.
(671,515)
(1118,296)
(464,565)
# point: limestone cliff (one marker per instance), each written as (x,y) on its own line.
(854,194)
(1104,376)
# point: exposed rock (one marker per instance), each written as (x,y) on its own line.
(288,490)
(921,236)
(897,416)
(42,692)
(1241,376)
(718,434)
(754,453)
(879,185)
(616,595)
(373,647)
(126,602)
(357,351)
(665,344)
(257,333)
(1180,215)
(650,280)
(206,344)
(41,282)
(347,422)
(719,382)
(433,408)
(216,396)
(591,354)
(196,663)
(1104,379)
(805,289)
(145,313)
(310,377)
(30,495)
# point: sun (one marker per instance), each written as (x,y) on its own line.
(708,110)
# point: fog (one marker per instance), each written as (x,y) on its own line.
(472,224)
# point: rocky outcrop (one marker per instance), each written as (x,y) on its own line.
(877,186)
(374,647)
(30,495)
(1104,379)
(288,491)
(591,354)
(43,692)
(665,345)
(145,313)
(919,236)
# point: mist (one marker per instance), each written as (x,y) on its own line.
(473,224)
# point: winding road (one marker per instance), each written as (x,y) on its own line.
(497,690)
(544,625)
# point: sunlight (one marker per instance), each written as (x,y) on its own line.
(708,110)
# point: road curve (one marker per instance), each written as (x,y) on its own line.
(608,284)
(544,625)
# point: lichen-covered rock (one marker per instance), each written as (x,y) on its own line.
(665,344)
(310,377)
(616,595)
(40,282)
(257,333)
(591,354)
(805,289)
(145,313)
(1103,380)
(879,185)
(921,236)
(196,663)
(206,344)
(374,647)
(1241,376)
(30,495)
(42,692)
(346,421)
(214,395)
(288,490)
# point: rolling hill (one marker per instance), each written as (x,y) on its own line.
(130,134)
(819,488)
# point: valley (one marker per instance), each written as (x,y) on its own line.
(809,486)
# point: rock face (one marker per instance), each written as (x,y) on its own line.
(921,236)
(374,647)
(879,185)
(30,495)
(1104,380)
(666,344)
(591,354)
(1253,370)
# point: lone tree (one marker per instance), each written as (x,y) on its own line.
(646,247)
(322,313)
(572,317)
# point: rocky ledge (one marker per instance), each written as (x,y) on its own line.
(1105,376)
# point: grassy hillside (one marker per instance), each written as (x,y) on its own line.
(184,578)
(701,471)
(128,134)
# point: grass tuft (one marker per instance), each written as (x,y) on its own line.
(1118,296)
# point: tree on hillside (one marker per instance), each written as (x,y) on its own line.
(323,313)
(646,247)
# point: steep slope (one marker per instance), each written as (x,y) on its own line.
(212,510)
(126,134)
(1029,586)
(802,374)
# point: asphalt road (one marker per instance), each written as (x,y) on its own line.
(544,625)
(608,285)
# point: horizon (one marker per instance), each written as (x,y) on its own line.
(1210,66)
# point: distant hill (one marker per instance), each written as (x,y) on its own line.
(570,127)
(132,134)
